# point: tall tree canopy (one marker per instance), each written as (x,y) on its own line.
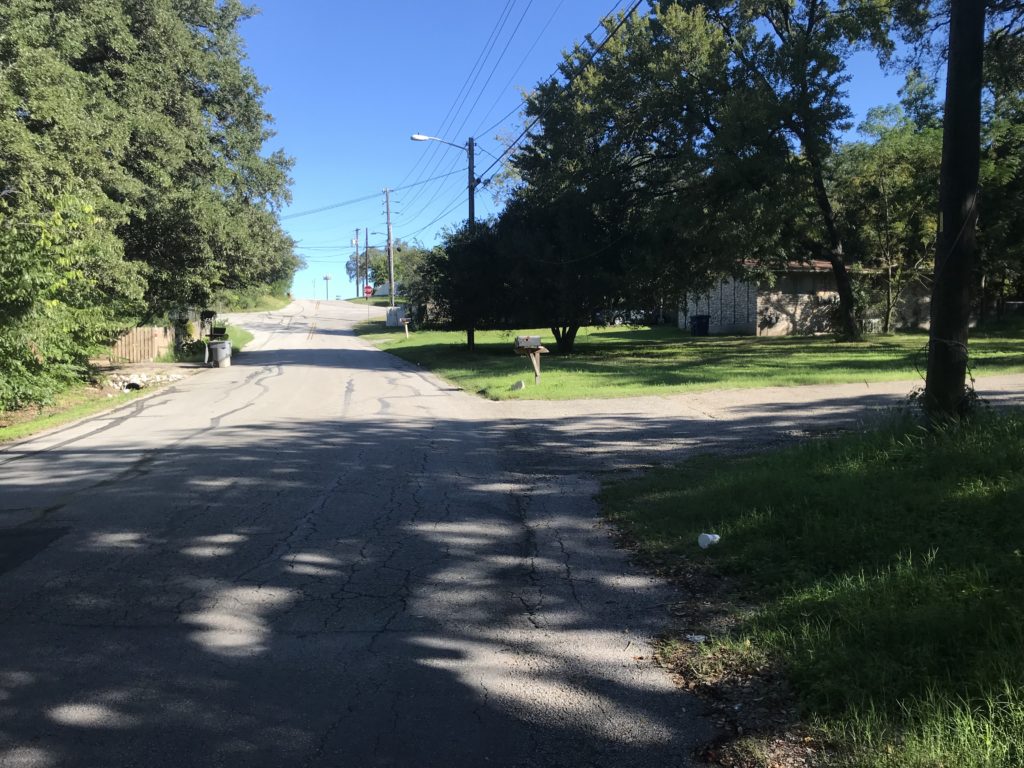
(132,134)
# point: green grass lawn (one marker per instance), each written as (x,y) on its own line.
(884,572)
(621,362)
(75,403)
(375,301)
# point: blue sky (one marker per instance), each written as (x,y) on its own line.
(351,81)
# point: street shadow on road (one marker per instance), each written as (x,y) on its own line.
(349,592)
(341,593)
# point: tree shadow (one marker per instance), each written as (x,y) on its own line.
(346,593)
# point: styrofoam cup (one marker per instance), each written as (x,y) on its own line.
(705,540)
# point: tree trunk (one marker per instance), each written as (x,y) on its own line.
(848,315)
(471,338)
(945,388)
(565,338)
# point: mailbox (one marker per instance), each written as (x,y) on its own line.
(530,345)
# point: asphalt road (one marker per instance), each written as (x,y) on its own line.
(321,556)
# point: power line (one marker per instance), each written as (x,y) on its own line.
(471,75)
(511,146)
(501,91)
(450,130)
(568,84)
(451,207)
(365,197)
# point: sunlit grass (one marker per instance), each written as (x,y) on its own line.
(887,575)
(621,362)
(73,404)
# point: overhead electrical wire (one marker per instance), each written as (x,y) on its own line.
(471,76)
(501,91)
(364,198)
(459,102)
(481,92)
(497,160)
(568,85)
(450,129)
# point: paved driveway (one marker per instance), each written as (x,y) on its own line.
(323,557)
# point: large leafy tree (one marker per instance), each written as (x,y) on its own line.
(465,282)
(614,186)
(144,114)
(886,189)
(784,96)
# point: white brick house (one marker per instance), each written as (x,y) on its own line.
(798,303)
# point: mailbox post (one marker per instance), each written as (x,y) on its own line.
(530,345)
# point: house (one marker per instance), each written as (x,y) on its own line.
(799,302)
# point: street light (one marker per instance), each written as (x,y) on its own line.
(469,149)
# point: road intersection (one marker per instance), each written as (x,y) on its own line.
(323,556)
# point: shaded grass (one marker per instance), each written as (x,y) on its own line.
(621,362)
(77,402)
(886,572)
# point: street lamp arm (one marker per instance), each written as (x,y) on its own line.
(423,137)
(470,150)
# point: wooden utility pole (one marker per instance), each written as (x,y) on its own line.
(471,151)
(391,256)
(366,256)
(945,388)
(356,244)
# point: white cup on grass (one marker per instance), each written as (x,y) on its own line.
(705,540)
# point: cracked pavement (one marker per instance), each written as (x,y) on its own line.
(322,556)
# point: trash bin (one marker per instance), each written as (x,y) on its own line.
(220,352)
(699,325)
(395,317)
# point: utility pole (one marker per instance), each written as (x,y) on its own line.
(391,255)
(356,244)
(366,256)
(471,151)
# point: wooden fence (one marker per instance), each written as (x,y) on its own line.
(142,345)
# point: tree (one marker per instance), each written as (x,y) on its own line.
(886,191)
(144,114)
(466,282)
(66,292)
(609,209)
(785,80)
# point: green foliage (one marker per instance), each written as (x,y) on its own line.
(144,116)
(464,281)
(886,192)
(885,574)
(67,292)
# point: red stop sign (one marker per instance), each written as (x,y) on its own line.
(368,290)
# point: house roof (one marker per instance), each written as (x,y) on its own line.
(811,265)
(807,265)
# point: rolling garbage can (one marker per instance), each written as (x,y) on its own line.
(699,325)
(220,352)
